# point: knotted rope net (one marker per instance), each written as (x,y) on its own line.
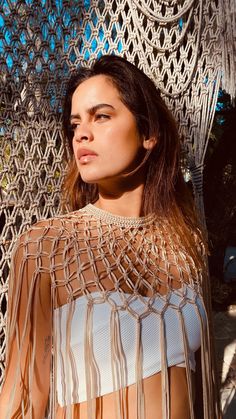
(126,302)
(187,47)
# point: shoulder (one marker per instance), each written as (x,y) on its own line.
(41,235)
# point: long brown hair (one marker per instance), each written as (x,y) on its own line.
(165,192)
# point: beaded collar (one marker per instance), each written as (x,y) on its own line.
(119,220)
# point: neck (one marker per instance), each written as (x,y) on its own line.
(125,203)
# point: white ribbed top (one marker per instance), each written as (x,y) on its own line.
(75,390)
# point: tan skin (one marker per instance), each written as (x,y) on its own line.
(106,407)
(104,125)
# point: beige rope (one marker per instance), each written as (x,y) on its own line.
(142,259)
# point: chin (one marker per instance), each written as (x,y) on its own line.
(88,176)
(90,179)
(100,178)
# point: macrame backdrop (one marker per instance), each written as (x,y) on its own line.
(186,46)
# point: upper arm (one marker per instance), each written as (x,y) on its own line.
(27,373)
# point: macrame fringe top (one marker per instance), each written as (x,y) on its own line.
(92,253)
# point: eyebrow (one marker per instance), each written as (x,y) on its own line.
(93,109)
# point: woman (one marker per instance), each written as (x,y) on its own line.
(112,290)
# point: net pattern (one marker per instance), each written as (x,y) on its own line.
(92,253)
(187,47)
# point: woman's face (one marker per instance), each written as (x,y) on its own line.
(106,141)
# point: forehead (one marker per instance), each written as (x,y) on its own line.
(96,88)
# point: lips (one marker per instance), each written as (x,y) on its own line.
(85,153)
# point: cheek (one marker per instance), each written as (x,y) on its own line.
(74,147)
(123,136)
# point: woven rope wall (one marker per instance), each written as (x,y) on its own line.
(182,45)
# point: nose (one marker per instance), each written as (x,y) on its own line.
(83,133)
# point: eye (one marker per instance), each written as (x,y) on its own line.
(73,126)
(101,117)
